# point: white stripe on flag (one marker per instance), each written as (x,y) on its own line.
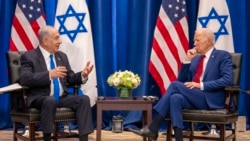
(27,28)
(18,42)
(160,68)
(165,49)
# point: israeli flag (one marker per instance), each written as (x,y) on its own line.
(214,14)
(73,23)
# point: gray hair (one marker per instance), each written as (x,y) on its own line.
(44,32)
(208,33)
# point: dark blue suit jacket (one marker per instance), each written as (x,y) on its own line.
(218,74)
(35,75)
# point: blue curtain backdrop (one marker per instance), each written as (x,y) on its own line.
(122,34)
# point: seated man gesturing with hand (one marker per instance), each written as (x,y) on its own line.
(46,71)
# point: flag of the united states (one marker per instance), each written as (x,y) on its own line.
(170,42)
(28,18)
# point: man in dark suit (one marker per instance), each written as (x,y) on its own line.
(36,73)
(193,91)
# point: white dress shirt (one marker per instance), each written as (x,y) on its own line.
(46,57)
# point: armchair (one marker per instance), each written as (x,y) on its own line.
(20,113)
(221,117)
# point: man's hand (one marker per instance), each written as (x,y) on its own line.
(191,53)
(88,68)
(192,85)
(59,72)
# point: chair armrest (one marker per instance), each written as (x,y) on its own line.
(246,92)
(232,88)
(18,96)
(232,93)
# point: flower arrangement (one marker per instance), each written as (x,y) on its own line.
(121,79)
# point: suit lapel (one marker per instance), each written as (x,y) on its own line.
(211,59)
(41,59)
(58,60)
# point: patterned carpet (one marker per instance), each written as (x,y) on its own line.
(6,135)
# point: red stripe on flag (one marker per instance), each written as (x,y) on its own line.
(162,57)
(172,38)
(35,26)
(182,36)
(26,24)
(22,33)
(157,77)
(12,46)
(168,40)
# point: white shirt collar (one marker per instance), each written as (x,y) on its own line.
(45,53)
(209,52)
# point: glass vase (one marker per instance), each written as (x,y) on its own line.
(125,93)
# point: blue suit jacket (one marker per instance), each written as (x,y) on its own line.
(35,75)
(218,74)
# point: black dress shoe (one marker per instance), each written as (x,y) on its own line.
(145,132)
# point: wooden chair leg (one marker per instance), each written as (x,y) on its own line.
(32,131)
(222,132)
(234,131)
(191,132)
(15,126)
(169,131)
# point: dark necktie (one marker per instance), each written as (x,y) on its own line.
(55,80)
(199,70)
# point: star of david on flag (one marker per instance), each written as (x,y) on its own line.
(215,15)
(73,23)
(71,33)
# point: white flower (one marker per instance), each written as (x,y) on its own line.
(126,79)
(116,82)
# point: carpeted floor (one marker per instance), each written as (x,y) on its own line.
(6,135)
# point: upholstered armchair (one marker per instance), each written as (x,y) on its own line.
(221,117)
(30,117)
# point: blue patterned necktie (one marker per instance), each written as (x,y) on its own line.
(55,80)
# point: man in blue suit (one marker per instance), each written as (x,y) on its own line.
(206,92)
(37,73)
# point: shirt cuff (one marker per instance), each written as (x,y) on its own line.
(202,86)
(50,77)
(84,79)
(186,62)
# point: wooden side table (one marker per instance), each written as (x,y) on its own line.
(123,104)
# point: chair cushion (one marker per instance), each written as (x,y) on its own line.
(33,115)
(220,116)
(64,114)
